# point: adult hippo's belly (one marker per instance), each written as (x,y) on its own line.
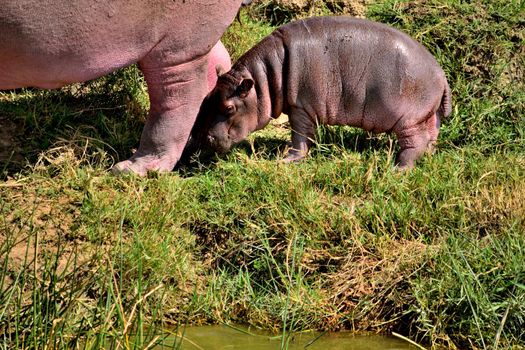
(52,43)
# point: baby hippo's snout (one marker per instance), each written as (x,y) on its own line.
(210,139)
(218,143)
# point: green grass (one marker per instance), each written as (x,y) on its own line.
(339,241)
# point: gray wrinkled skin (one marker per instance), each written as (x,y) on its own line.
(335,71)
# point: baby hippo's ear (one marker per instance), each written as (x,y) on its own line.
(244,87)
(220,70)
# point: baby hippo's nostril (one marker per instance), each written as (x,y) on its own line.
(210,139)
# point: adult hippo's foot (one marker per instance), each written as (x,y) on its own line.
(175,93)
(141,164)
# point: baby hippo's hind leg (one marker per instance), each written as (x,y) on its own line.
(415,140)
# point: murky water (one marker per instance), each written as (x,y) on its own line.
(227,338)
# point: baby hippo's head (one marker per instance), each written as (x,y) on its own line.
(229,112)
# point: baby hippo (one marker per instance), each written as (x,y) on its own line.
(335,71)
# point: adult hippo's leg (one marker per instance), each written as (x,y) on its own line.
(175,93)
(219,56)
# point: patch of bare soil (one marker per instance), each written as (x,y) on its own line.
(35,234)
(351,7)
(355,8)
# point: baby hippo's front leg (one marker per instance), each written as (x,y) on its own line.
(303,133)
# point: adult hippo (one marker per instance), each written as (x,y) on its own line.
(52,43)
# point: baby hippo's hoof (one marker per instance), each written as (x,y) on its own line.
(403,168)
(293,157)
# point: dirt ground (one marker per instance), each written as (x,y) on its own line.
(351,7)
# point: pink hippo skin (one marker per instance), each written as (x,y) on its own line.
(52,43)
(219,57)
(335,71)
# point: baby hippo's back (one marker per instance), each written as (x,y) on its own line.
(350,71)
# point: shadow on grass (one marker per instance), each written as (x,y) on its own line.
(99,117)
(196,159)
(330,140)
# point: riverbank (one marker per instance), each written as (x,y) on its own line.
(339,241)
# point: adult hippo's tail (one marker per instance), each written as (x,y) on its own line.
(445,108)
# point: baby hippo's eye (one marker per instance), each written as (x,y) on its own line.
(230,109)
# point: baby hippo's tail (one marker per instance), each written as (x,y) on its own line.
(445,108)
